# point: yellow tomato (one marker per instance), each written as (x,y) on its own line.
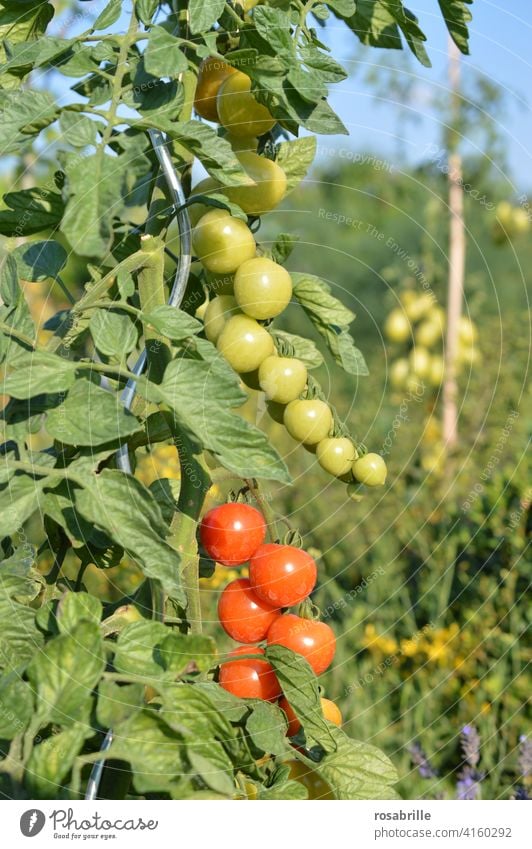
(212,73)
(222,242)
(217,314)
(397,327)
(238,110)
(269,188)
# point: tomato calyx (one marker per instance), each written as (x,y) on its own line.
(308,610)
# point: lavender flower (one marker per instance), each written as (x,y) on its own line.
(470,741)
(525,756)
(420,760)
(468,785)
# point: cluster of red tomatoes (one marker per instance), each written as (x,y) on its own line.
(253,609)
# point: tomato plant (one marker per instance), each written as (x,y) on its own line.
(139,358)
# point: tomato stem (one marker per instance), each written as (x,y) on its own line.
(152,294)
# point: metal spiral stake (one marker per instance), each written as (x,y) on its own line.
(176,297)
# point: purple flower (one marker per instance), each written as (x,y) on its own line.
(525,756)
(420,760)
(468,785)
(470,741)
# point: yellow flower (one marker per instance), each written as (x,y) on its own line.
(161,462)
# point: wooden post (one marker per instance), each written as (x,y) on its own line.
(457,249)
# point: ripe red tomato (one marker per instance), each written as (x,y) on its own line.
(243,615)
(232,532)
(315,641)
(251,678)
(282,574)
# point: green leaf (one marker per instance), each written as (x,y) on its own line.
(20,497)
(113,332)
(30,211)
(78,130)
(24,114)
(322,64)
(153,750)
(66,671)
(204,14)
(35,53)
(304,349)
(172,323)
(210,761)
(38,261)
(20,639)
(146,9)
(295,158)
(164,56)
(202,394)
(10,291)
(457,16)
(266,726)
(117,703)
(17,26)
(16,705)
(300,686)
(135,649)
(109,16)
(344,351)
(274,26)
(51,761)
(73,607)
(357,770)
(121,506)
(378,23)
(308,84)
(215,154)
(283,247)
(315,297)
(38,372)
(179,652)
(345,8)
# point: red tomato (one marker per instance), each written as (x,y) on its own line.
(251,678)
(244,616)
(282,574)
(330,711)
(232,532)
(315,641)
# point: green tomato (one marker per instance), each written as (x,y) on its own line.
(336,455)
(397,326)
(217,314)
(282,379)
(222,242)
(420,361)
(269,189)
(244,343)
(308,421)
(467,332)
(419,306)
(239,112)
(399,371)
(428,333)
(208,186)
(370,469)
(263,288)
(437,371)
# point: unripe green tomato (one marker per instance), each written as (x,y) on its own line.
(269,188)
(467,332)
(420,361)
(414,384)
(282,379)
(399,371)
(263,288)
(370,469)
(428,333)
(244,143)
(308,421)
(222,243)
(397,326)
(336,455)
(217,314)
(437,371)
(419,306)
(244,343)
(239,112)
(467,355)
(208,186)
(520,220)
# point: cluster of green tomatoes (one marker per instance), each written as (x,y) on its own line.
(252,289)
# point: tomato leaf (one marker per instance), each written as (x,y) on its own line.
(304,349)
(177,652)
(51,761)
(163,56)
(39,261)
(109,15)
(16,699)
(121,506)
(203,15)
(65,672)
(113,333)
(78,130)
(174,324)
(116,703)
(135,648)
(266,727)
(30,211)
(274,26)
(21,498)
(357,770)
(457,16)
(73,607)
(295,158)
(24,114)
(300,687)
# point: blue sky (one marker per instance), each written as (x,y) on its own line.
(501,35)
